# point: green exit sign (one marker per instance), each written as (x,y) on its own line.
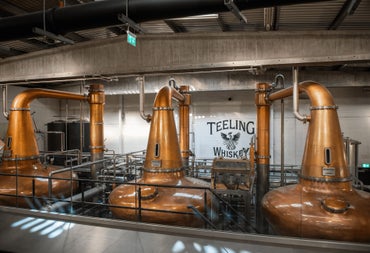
(366,165)
(131,38)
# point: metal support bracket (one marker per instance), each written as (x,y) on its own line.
(126,20)
(235,10)
(52,35)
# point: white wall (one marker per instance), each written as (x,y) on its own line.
(354,117)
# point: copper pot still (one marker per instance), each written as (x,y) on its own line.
(323,204)
(24,180)
(156,202)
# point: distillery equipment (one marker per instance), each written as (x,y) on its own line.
(67,135)
(23,177)
(232,174)
(323,204)
(233,181)
(164,194)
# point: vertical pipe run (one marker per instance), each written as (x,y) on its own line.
(282,158)
(146,117)
(296,97)
(96,100)
(263,152)
(282,116)
(184,126)
(5,101)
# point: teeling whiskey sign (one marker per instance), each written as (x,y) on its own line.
(228,138)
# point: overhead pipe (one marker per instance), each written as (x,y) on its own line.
(105,13)
(323,204)
(146,117)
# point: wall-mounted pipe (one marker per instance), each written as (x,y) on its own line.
(4,89)
(146,117)
(280,79)
(105,13)
(299,116)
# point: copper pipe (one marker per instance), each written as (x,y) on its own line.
(184,125)
(61,3)
(263,151)
(162,166)
(20,139)
(97,101)
(323,204)
(21,154)
(252,158)
(163,146)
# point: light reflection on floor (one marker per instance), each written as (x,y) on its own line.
(180,247)
(49,228)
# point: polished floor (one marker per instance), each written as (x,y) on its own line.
(33,231)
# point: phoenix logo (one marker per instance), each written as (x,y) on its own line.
(230,140)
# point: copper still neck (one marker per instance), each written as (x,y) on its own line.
(20,143)
(323,204)
(163,150)
(164,186)
(323,157)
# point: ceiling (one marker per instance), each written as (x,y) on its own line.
(326,15)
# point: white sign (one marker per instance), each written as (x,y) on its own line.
(227,137)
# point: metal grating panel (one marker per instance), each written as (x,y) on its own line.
(317,16)
(360,20)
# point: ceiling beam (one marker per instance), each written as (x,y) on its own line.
(221,23)
(8,51)
(179,53)
(75,37)
(276,21)
(348,8)
(11,8)
(174,26)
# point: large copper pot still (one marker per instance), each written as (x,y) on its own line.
(22,173)
(163,167)
(323,204)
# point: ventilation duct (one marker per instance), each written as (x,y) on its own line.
(105,13)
